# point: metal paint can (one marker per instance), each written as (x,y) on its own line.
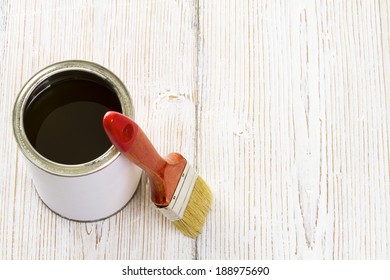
(89,191)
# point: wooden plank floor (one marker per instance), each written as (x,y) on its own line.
(283,107)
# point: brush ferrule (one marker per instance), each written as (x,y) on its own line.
(175,210)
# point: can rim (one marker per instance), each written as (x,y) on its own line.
(17,118)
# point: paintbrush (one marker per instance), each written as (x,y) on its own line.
(176,189)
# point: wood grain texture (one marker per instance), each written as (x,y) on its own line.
(151,46)
(282,106)
(294,127)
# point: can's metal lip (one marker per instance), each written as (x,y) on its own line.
(28,150)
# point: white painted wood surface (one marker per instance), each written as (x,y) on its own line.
(282,106)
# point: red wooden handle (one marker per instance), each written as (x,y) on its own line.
(164,173)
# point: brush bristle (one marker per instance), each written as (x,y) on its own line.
(197,209)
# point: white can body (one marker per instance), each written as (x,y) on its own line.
(88,197)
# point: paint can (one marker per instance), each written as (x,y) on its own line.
(82,191)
